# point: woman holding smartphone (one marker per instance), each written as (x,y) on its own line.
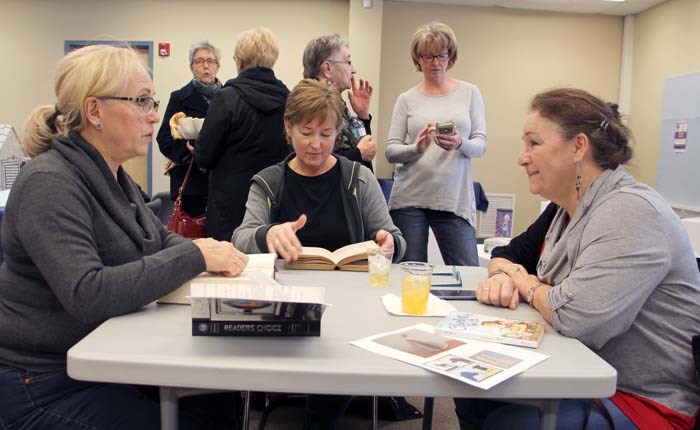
(437,127)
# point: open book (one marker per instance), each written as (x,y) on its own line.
(351,257)
(257,263)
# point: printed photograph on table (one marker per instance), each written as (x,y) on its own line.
(476,372)
(496,359)
(419,343)
(504,222)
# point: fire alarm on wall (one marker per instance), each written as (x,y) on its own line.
(164,49)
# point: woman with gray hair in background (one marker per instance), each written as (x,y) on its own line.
(243,131)
(327,58)
(192,100)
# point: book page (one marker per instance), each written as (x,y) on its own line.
(481,364)
(347,253)
(313,253)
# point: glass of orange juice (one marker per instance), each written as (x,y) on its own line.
(379,266)
(415,287)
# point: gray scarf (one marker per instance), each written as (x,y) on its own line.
(561,244)
(207,91)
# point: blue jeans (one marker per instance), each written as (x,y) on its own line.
(52,400)
(573,414)
(456,238)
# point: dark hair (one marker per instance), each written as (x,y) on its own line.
(577,111)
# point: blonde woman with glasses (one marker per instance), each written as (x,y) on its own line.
(81,247)
(437,127)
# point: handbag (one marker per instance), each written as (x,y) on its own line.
(181,222)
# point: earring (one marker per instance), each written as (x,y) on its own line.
(98,126)
(329,82)
(578,184)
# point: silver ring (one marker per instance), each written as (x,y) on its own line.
(485,288)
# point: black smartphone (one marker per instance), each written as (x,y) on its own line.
(454,294)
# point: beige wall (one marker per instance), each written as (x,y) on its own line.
(33,32)
(666,41)
(510,55)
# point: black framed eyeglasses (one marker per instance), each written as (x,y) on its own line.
(442,57)
(147,104)
(348,62)
(455,273)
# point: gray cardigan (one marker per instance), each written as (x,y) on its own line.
(80,247)
(626,284)
(363,203)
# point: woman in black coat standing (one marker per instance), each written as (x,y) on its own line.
(243,132)
(193,100)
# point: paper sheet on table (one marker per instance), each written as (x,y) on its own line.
(436,307)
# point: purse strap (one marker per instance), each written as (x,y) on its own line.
(178,201)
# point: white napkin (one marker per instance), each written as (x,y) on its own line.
(436,307)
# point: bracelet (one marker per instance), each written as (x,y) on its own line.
(531,292)
(497,272)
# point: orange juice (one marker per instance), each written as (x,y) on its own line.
(414,293)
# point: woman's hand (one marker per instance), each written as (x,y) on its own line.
(424,138)
(498,290)
(359,97)
(385,240)
(221,257)
(282,239)
(367,147)
(449,142)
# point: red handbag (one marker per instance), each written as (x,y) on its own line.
(181,222)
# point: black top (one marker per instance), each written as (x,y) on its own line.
(526,248)
(187,100)
(242,134)
(319,199)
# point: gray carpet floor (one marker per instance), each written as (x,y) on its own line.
(291,417)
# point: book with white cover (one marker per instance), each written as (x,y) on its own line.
(260,264)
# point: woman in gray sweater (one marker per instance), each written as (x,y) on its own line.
(81,247)
(611,266)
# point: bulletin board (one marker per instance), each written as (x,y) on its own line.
(678,177)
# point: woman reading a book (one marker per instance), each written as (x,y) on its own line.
(608,263)
(317,199)
(81,247)
(313,197)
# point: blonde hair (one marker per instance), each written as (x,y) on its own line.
(311,99)
(91,71)
(256,48)
(437,33)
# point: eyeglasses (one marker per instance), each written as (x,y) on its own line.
(442,57)
(209,61)
(348,62)
(147,104)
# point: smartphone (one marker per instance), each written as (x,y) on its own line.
(454,294)
(445,127)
